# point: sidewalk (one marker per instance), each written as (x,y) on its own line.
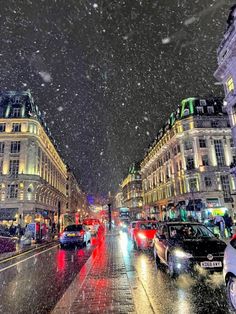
(102,286)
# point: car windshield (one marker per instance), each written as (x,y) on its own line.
(189,231)
(74,228)
(148,226)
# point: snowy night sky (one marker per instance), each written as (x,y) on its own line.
(107,73)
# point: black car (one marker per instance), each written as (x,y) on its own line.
(183,245)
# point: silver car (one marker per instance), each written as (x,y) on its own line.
(75,235)
(230,273)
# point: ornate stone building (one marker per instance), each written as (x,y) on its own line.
(186,169)
(32,173)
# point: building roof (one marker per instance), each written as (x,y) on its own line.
(28,109)
(189,107)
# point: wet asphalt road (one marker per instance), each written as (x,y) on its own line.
(187,294)
(34,282)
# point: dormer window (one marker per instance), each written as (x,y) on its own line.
(203,102)
(210,109)
(200,110)
(16,112)
(186,112)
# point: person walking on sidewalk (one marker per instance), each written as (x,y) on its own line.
(228,224)
(220,223)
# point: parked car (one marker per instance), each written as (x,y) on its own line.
(93,225)
(75,235)
(230,272)
(131,229)
(181,246)
(144,233)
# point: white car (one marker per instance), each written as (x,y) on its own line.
(230,273)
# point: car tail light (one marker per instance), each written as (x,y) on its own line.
(141,236)
(61,234)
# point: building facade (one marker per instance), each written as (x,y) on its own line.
(77,204)
(226,72)
(32,173)
(186,169)
(132,192)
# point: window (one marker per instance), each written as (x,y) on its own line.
(12,191)
(202,142)
(186,127)
(15,147)
(14,167)
(210,109)
(219,149)
(205,160)
(234,159)
(16,127)
(208,182)
(188,144)
(200,110)
(225,187)
(16,112)
(202,102)
(215,124)
(231,142)
(230,84)
(192,184)
(2,146)
(2,127)
(1,166)
(190,163)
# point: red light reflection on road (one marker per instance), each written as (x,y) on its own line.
(61,260)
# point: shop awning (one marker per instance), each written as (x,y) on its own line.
(8,213)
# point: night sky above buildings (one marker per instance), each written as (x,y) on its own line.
(108,73)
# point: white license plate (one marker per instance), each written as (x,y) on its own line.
(211,264)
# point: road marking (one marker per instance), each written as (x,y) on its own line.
(23,253)
(23,260)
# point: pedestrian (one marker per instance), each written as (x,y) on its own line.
(220,223)
(228,224)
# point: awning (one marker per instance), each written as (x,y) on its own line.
(8,213)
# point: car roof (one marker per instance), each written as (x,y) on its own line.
(169,223)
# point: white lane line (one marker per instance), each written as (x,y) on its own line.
(23,260)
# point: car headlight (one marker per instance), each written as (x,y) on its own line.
(182,254)
(142,236)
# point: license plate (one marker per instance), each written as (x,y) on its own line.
(71,235)
(211,264)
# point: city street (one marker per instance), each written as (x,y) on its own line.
(34,282)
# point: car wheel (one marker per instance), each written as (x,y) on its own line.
(157,259)
(171,266)
(231,292)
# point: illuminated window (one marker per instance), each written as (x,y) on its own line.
(230,84)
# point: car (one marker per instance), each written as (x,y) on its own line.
(93,224)
(185,246)
(77,235)
(229,272)
(124,224)
(144,233)
(131,229)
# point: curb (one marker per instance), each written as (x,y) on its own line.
(16,254)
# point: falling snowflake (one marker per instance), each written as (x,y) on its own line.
(60,108)
(45,76)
